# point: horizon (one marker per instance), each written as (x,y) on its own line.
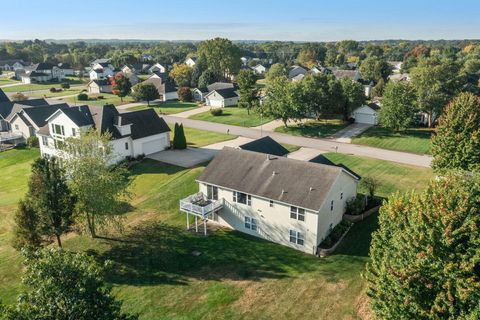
(268,20)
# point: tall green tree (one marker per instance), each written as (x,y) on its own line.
(281,100)
(319,95)
(398,106)
(247,80)
(353,96)
(121,85)
(145,92)
(221,56)
(424,258)
(64,285)
(456,144)
(207,77)
(182,74)
(26,233)
(373,68)
(99,187)
(275,71)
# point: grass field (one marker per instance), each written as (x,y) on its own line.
(234,116)
(108,98)
(199,138)
(41,86)
(412,140)
(5,80)
(235,277)
(314,129)
(168,107)
(48,94)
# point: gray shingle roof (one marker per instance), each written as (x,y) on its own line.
(295,182)
(219,86)
(265,145)
(3,96)
(227,93)
(40,115)
(145,123)
(321,159)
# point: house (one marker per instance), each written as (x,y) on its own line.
(396,66)
(244,60)
(367,114)
(191,62)
(134,133)
(259,69)
(399,77)
(265,145)
(166,90)
(99,61)
(66,69)
(11,65)
(138,68)
(42,72)
(101,71)
(198,94)
(157,67)
(291,202)
(9,108)
(133,78)
(352,74)
(220,85)
(99,86)
(147,57)
(295,71)
(298,77)
(222,98)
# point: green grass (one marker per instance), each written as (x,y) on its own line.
(391,176)
(236,276)
(415,140)
(5,80)
(290,147)
(199,138)
(108,98)
(234,116)
(64,92)
(314,129)
(168,107)
(41,86)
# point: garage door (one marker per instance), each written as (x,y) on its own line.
(216,103)
(154,146)
(365,118)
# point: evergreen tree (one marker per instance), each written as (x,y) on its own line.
(26,233)
(248,92)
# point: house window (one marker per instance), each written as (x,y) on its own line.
(212,192)
(74,132)
(16,127)
(271,203)
(341,196)
(331,205)
(45,141)
(297,213)
(241,197)
(296,237)
(58,129)
(251,223)
(126,145)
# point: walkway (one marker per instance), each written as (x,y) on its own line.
(325,145)
(347,133)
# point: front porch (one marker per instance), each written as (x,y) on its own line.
(201,207)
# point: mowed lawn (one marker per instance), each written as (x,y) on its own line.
(168,107)
(314,129)
(48,94)
(236,276)
(6,80)
(101,99)
(42,86)
(415,140)
(198,138)
(234,116)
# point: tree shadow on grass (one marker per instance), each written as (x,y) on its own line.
(357,242)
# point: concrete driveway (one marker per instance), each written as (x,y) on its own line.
(304,154)
(346,134)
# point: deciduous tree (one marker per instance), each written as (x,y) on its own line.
(221,56)
(145,92)
(248,91)
(182,74)
(373,68)
(353,96)
(398,106)
(275,71)
(281,100)
(121,85)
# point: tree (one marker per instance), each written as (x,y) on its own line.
(18,97)
(373,68)
(280,101)
(121,85)
(307,57)
(371,184)
(65,285)
(379,88)
(354,96)
(207,77)
(99,187)
(221,56)
(145,92)
(182,74)
(275,71)
(184,94)
(247,80)
(424,256)
(179,139)
(456,144)
(26,233)
(398,106)
(436,82)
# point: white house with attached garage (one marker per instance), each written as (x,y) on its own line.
(291,202)
(133,133)
(367,114)
(222,98)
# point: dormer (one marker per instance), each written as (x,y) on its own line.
(123,128)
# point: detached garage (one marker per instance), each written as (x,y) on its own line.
(367,114)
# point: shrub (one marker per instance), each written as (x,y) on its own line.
(335,234)
(82,97)
(100,97)
(356,205)
(53,90)
(184,94)
(65,85)
(216,112)
(32,142)
(18,97)
(179,139)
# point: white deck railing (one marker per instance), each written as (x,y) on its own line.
(189,205)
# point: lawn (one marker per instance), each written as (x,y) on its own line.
(42,86)
(199,138)
(48,94)
(168,107)
(415,140)
(236,276)
(6,80)
(106,98)
(314,129)
(234,116)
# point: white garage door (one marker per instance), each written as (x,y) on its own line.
(154,146)
(365,118)
(215,103)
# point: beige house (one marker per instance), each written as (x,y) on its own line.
(290,202)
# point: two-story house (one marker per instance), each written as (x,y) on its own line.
(101,71)
(42,72)
(291,202)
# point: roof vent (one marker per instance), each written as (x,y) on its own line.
(311,189)
(283,191)
(274,173)
(268,157)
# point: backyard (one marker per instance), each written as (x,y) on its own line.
(234,116)
(168,107)
(314,129)
(59,93)
(199,138)
(42,86)
(101,99)
(234,277)
(414,140)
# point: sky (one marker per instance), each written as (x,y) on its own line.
(296,20)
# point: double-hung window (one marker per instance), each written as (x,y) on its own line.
(74,132)
(251,223)
(212,192)
(297,237)
(58,129)
(297,213)
(45,141)
(241,197)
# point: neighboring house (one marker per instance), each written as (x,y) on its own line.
(290,202)
(259,69)
(99,86)
(295,71)
(198,94)
(9,108)
(298,77)
(11,65)
(396,66)
(352,74)
(134,133)
(3,97)
(101,71)
(220,85)
(42,72)
(99,61)
(28,120)
(222,98)
(191,62)
(367,114)
(139,68)
(147,57)
(399,77)
(265,145)
(133,78)
(166,90)
(157,67)
(244,60)
(67,69)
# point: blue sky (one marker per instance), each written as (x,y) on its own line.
(300,20)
